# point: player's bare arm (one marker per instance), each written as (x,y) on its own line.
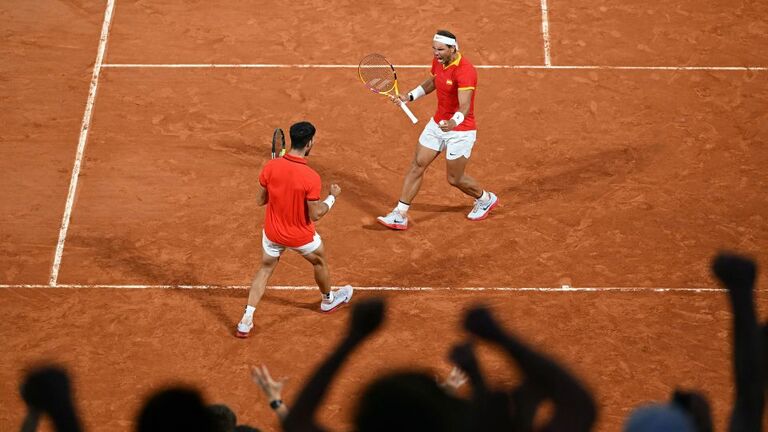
(318,209)
(426,87)
(465,101)
(262,197)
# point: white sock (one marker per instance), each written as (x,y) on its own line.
(248,315)
(402,207)
(486,196)
(328,297)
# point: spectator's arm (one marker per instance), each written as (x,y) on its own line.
(738,276)
(697,406)
(30,421)
(366,318)
(463,356)
(272,389)
(47,390)
(574,407)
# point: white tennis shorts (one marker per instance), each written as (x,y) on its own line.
(276,249)
(455,143)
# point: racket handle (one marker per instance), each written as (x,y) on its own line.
(409,113)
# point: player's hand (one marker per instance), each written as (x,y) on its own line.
(335,190)
(271,388)
(399,99)
(447,126)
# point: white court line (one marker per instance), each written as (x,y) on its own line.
(410,66)
(545,32)
(85,126)
(383,288)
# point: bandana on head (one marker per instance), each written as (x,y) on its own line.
(446,40)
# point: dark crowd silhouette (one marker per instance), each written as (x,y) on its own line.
(413,400)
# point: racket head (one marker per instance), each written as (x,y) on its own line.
(278,143)
(377,74)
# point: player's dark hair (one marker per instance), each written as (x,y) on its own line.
(301,134)
(446,33)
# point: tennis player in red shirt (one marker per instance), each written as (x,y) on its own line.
(452,129)
(291,191)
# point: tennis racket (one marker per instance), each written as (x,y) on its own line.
(378,74)
(278,143)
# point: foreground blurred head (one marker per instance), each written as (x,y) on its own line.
(174,409)
(408,401)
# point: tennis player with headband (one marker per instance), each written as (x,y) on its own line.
(451,129)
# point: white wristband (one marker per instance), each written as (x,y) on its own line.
(416,93)
(330,201)
(458,117)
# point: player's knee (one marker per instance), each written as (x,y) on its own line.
(269,264)
(417,168)
(455,180)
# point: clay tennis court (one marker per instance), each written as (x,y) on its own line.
(627,142)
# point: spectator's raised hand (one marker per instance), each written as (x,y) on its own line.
(481,323)
(455,379)
(696,406)
(734,271)
(46,389)
(367,316)
(271,388)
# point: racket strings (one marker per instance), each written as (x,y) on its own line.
(377,73)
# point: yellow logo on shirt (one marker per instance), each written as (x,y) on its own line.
(448,82)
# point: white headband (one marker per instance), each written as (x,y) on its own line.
(446,40)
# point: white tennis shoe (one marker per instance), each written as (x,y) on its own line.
(482,208)
(340,297)
(394,220)
(243,329)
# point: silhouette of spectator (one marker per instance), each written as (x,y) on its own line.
(222,417)
(47,391)
(543,379)
(738,275)
(403,401)
(175,409)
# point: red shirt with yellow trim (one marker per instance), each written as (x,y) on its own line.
(289,183)
(449,81)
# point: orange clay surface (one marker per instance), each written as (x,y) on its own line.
(606,178)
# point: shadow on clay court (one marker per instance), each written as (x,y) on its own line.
(290,302)
(122,255)
(610,166)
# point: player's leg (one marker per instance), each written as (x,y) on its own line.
(458,150)
(270,258)
(415,175)
(430,145)
(457,177)
(259,283)
(314,253)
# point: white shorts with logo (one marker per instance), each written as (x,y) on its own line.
(276,249)
(455,143)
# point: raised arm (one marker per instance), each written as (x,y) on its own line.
(367,316)
(738,275)
(317,209)
(574,407)
(47,390)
